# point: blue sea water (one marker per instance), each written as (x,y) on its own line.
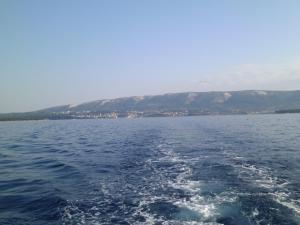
(191,170)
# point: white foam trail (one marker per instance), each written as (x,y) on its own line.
(195,202)
(283,199)
(264,178)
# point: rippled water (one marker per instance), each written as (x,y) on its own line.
(192,170)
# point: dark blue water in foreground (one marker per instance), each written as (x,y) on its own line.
(193,170)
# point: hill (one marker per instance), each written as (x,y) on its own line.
(177,104)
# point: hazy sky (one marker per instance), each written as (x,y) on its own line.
(55,52)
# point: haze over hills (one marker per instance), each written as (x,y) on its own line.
(175,104)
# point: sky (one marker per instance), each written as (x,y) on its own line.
(56,52)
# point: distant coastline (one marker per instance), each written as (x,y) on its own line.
(113,115)
(288,111)
(172,105)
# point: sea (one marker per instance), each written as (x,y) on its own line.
(206,170)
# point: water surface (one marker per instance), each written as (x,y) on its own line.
(209,170)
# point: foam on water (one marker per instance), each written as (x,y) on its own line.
(204,211)
(171,171)
(264,178)
(192,202)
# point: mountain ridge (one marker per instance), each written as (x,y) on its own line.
(172,104)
